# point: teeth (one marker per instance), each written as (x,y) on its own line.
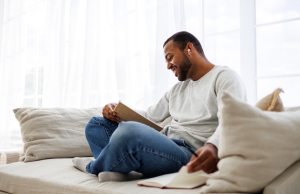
(174,71)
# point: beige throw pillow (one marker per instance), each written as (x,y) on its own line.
(255,147)
(54,132)
(271,102)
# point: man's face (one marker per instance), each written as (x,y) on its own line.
(177,61)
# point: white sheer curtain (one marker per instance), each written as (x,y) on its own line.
(85,53)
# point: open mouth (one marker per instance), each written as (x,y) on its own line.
(174,69)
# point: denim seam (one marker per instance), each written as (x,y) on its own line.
(167,156)
(107,133)
(147,150)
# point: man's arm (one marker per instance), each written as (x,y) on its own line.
(207,158)
(159,111)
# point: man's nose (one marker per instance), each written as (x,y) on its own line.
(169,65)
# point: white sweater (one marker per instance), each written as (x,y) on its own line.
(194,106)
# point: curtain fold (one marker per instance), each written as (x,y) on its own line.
(82,53)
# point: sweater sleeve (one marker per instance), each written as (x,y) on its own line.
(230,82)
(159,111)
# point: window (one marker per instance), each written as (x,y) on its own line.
(278,62)
(259,39)
(83,53)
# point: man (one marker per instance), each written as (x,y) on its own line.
(193,104)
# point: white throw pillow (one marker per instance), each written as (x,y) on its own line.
(54,132)
(271,102)
(255,147)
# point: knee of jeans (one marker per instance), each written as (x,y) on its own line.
(127,133)
(90,127)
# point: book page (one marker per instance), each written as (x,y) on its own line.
(127,114)
(179,180)
(186,180)
(160,181)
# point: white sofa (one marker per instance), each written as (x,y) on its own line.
(259,151)
(60,177)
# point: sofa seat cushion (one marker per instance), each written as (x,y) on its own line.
(60,177)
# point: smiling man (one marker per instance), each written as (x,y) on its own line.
(193,104)
(197,98)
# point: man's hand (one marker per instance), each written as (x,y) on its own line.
(206,160)
(108,112)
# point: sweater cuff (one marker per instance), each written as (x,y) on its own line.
(214,139)
(215,142)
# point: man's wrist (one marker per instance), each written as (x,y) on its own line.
(214,147)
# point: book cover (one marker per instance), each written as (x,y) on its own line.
(127,114)
(179,180)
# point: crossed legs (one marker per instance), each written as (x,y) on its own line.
(132,146)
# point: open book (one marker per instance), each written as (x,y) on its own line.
(127,114)
(179,180)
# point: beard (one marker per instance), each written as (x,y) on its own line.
(184,69)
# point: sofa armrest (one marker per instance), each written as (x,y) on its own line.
(287,182)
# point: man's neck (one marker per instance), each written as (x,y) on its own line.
(201,67)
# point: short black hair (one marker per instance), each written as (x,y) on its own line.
(182,38)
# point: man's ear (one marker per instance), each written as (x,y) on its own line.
(189,48)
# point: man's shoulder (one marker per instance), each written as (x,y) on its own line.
(226,72)
(231,81)
(219,69)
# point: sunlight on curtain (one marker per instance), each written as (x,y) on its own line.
(86,53)
(79,53)
(222,32)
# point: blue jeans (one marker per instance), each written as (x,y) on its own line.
(132,146)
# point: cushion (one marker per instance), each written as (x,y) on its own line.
(255,146)
(58,176)
(271,102)
(54,132)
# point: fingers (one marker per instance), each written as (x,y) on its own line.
(207,160)
(108,112)
(207,165)
(115,116)
(195,159)
(196,162)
